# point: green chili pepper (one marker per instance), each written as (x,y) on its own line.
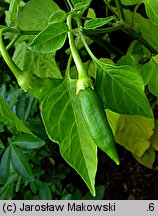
(96,121)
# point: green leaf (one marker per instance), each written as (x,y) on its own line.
(44,191)
(57,16)
(9,118)
(122,90)
(145,71)
(65,125)
(81,4)
(150,75)
(113,119)
(6,192)
(28,141)
(23,106)
(100,190)
(37,13)
(50,39)
(148,31)
(98,22)
(130,2)
(138,51)
(153,79)
(42,65)
(152,10)
(128,60)
(91,13)
(12,13)
(5,165)
(134,133)
(20,163)
(41,87)
(147,159)
(1,147)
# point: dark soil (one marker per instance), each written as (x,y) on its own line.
(129,180)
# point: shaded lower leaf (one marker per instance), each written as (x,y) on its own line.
(44,191)
(65,125)
(23,106)
(5,165)
(1,147)
(28,141)
(7,117)
(6,192)
(20,163)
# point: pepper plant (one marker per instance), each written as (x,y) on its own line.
(89,104)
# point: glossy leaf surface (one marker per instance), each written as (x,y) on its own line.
(65,125)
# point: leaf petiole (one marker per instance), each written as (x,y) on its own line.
(16,71)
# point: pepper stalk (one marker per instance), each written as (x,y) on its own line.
(24,79)
(84,80)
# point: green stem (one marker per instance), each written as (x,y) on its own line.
(87,48)
(29,32)
(138,37)
(16,71)
(110,8)
(78,62)
(70,5)
(11,43)
(111,49)
(135,10)
(120,10)
(24,79)
(84,80)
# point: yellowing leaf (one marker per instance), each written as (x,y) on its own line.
(113,119)
(134,133)
(154,139)
(147,159)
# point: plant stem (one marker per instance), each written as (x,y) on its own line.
(16,71)
(29,32)
(135,10)
(111,49)
(70,5)
(120,10)
(138,37)
(78,62)
(110,8)
(87,48)
(11,43)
